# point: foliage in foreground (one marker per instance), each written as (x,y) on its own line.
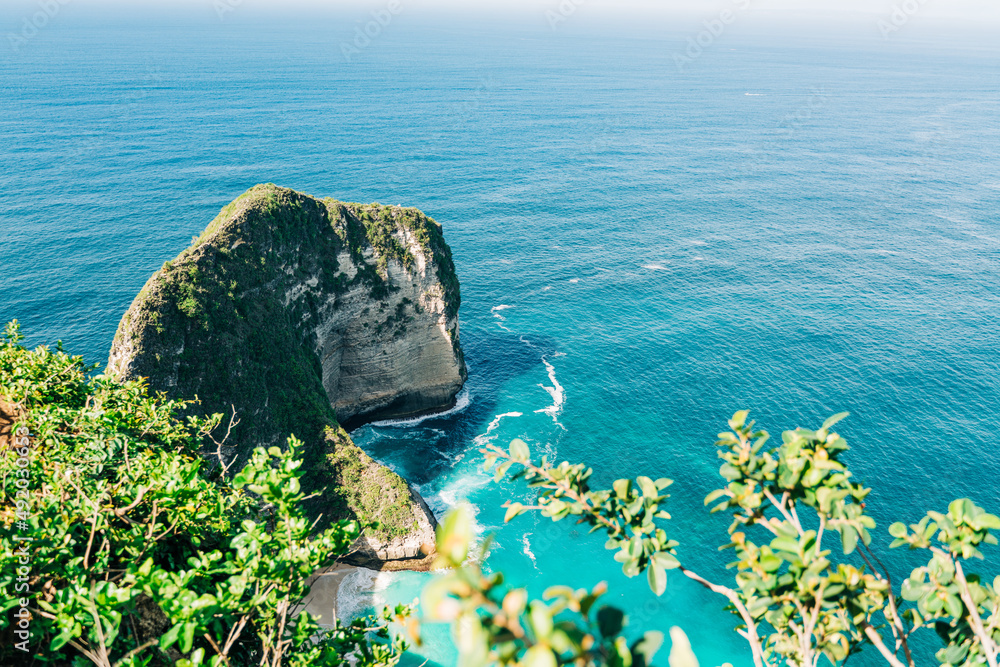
(795,599)
(498,625)
(122,546)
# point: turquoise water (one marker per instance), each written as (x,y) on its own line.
(797,227)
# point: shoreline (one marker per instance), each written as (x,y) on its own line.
(324,592)
(456,403)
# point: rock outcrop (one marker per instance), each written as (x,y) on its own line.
(304,315)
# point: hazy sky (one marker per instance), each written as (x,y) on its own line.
(979,17)
(968,9)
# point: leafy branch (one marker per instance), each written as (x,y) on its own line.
(795,600)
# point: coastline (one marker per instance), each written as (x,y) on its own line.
(457,403)
(324,586)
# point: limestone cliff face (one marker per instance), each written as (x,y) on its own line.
(302,315)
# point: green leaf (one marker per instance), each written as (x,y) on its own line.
(912,590)
(539,656)
(454,535)
(501,470)
(513,510)
(849,538)
(987,522)
(953,654)
(645,648)
(898,530)
(187,638)
(681,654)
(657,578)
(648,486)
(954,605)
(665,560)
(788,544)
(610,621)
(620,656)
(60,640)
(541,619)
(715,495)
(519,450)
(622,487)
(834,419)
(169,638)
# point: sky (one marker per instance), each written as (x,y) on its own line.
(972,12)
(951,23)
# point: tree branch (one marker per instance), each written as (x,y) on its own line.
(137,649)
(896,621)
(751,632)
(876,639)
(975,620)
(780,506)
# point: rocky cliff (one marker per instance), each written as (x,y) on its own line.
(303,315)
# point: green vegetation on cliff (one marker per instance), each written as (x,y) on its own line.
(121,546)
(379,224)
(366,488)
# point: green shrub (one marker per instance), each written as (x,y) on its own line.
(122,546)
(796,601)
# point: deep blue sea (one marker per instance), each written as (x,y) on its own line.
(795,226)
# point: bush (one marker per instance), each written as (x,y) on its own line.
(122,546)
(795,600)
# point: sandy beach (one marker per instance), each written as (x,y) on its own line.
(322,598)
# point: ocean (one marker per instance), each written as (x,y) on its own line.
(645,245)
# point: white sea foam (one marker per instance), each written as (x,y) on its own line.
(496,313)
(361,590)
(459,489)
(462,401)
(556,391)
(456,492)
(527,550)
(654,267)
(574,280)
(483,438)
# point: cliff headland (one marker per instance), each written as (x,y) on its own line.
(305,316)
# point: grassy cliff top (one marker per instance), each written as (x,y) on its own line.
(274,217)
